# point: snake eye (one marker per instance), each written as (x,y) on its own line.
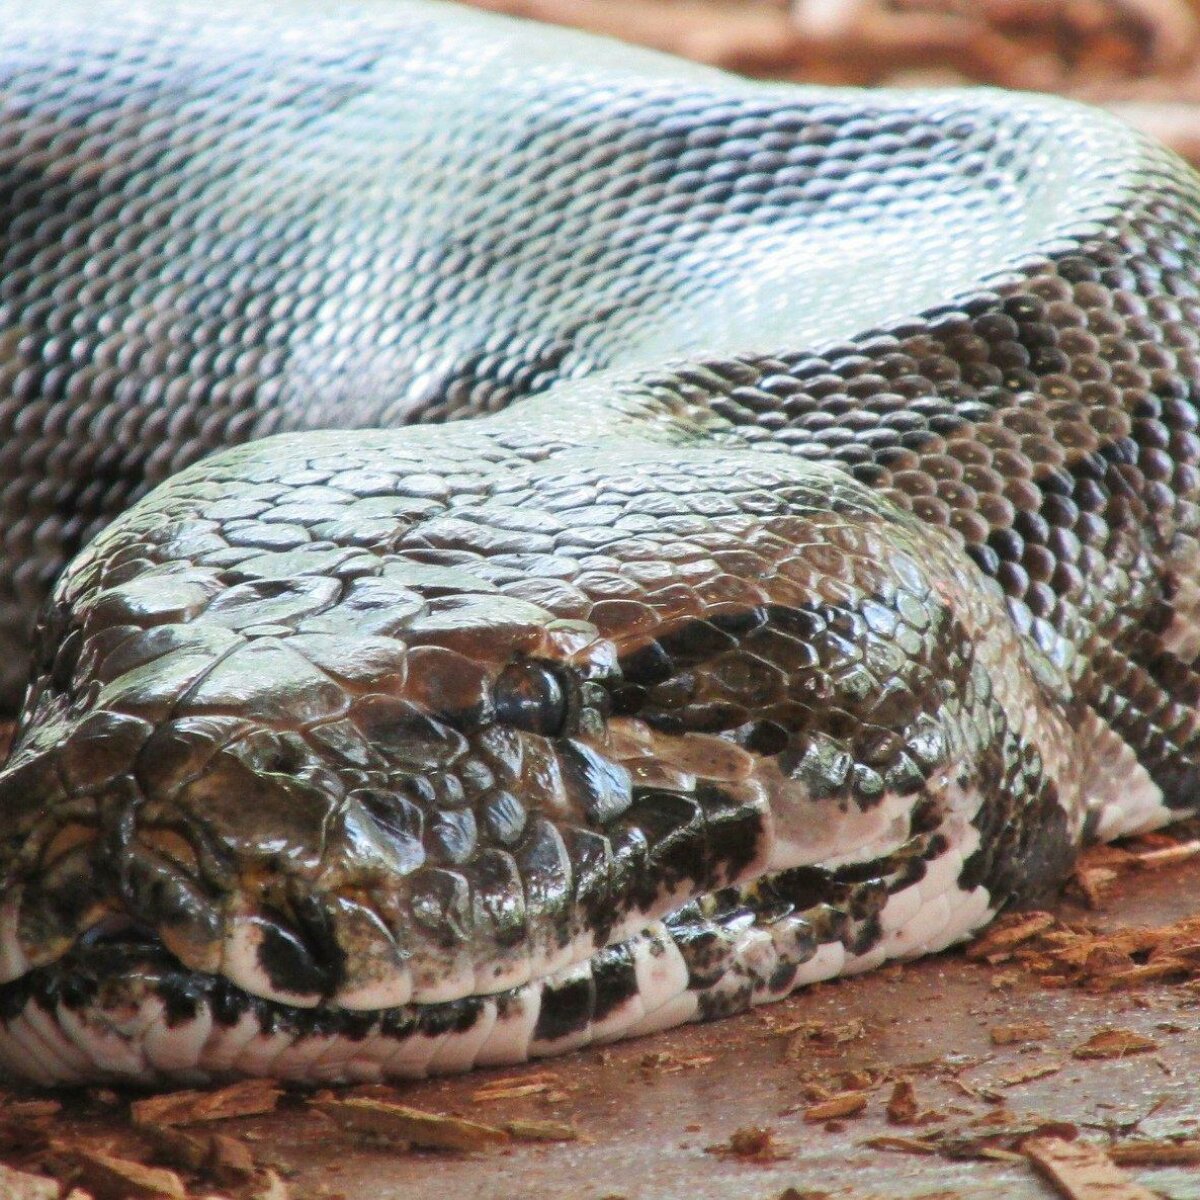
(529,696)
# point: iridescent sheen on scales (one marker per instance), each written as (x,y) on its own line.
(817,571)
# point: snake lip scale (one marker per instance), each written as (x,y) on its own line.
(816,573)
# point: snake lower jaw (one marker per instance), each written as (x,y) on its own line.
(120,1007)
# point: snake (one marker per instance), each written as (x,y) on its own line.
(526,542)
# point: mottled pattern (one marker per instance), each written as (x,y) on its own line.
(819,572)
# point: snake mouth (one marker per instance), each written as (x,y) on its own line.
(120,1007)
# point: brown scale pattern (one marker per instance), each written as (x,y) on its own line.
(850,497)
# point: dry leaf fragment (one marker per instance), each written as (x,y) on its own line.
(755,1143)
(542,1131)
(902,1104)
(1114,1043)
(109,1177)
(844,1104)
(431,1131)
(1081,1171)
(20,1185)
(249,1098)
(1026,1031)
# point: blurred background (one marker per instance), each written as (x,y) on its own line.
(1140,58)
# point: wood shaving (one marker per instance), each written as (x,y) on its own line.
(662,1062)
(902,1104)
(1027,1074)
(1114,1043)
(214,1156)
(270,1187)
(906,1145)
(541,1131)
(109,1177)
(755,1143)
(845,1104)
(516,1092)
(1027,1031)
(251,1097)
(1062,956)
(430,1131)
(19,1185)
(805,1034)
(1081,1171)
(1146,1152)
(996,1135)
(515,1087)
(29,1110)
(1003,937)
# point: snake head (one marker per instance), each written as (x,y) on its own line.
(395,739)
(357,808)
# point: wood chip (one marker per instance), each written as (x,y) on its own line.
(1167,856)
(1081,1171)
(845,1104)
(662,1062)
(805,1034)
(1027,1074)
(906,1145)
(755,1143)
(516,1092)
(1147,1152)
(1007,934)
(29,1110)
(902,1104)
(251,1097)
(1027,1031)
(109,1177)
(19,1185)
(542,1131)
(514,1087)
(1114,1043)
(431,1131)
(222,1159)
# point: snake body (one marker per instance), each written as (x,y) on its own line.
(818,572)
